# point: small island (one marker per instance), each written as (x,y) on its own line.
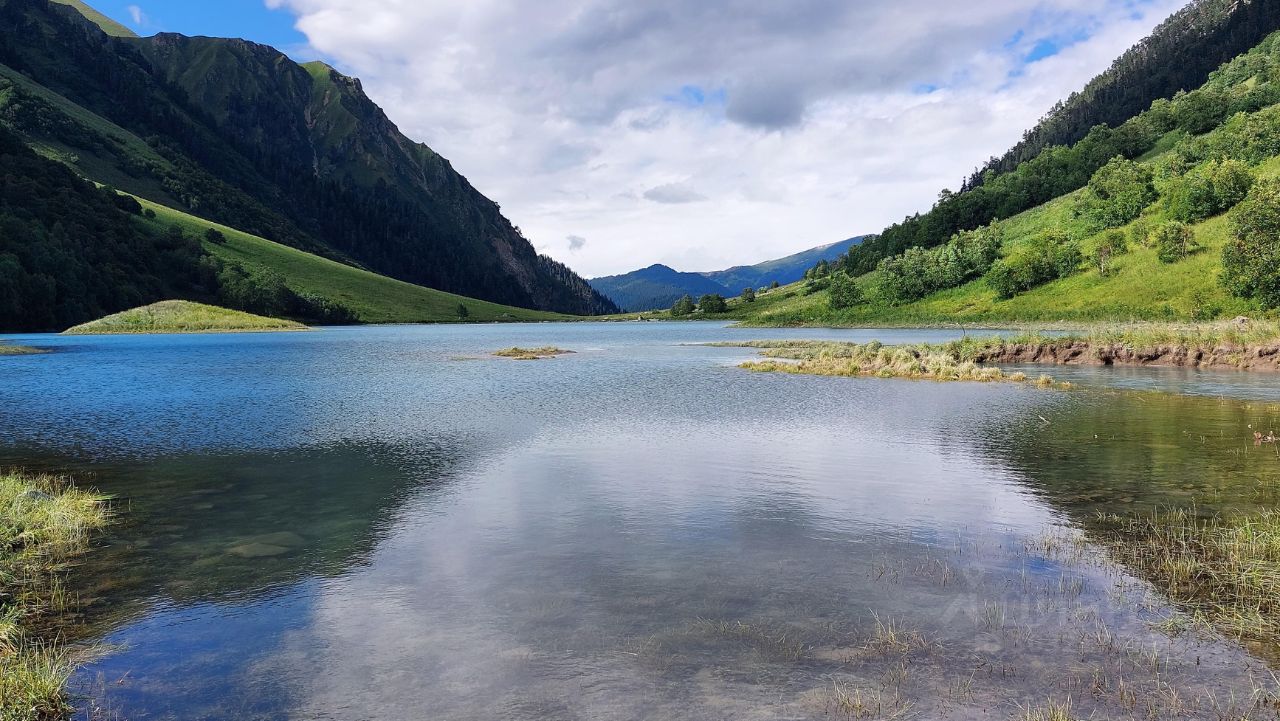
(182,316)
(531,353)
(7,348)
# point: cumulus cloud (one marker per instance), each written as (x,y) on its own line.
(673,194)
(803,122)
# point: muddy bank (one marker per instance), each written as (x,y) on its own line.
(1263,357)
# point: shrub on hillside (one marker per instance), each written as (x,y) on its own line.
(1251,259)
(1208,190)
(1047,257)
(1174,241)
(918,272)
(748,295)
(845,292)
(712,303)
(682,307)
(1113,243)
(1116,194)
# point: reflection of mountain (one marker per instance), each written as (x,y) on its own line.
(211,528)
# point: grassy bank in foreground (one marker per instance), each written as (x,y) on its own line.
(181,316)
(44,524)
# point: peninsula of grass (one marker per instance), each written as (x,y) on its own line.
(181,316)
(531,353)
(917,361)
(12,349)
(45,523)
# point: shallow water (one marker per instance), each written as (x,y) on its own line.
(387,523)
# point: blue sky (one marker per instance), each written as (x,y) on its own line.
(250,19)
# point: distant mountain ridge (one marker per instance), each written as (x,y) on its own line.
(659,286)
(238,133)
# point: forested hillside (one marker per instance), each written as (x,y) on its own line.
(1175,214)
(238,133)
(1179,55)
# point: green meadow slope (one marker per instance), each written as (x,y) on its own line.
(1140,288)
(373,298)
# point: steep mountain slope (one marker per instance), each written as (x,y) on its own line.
(238,133)
(659,286)
(70,252)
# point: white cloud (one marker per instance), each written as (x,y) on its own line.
(792,124)
(135,13)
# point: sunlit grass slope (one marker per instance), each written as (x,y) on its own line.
(374,298)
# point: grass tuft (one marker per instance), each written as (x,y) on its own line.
(45,523)
(1225,568)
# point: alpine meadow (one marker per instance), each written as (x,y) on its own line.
(300,423)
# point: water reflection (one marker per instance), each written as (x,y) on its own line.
(385,523)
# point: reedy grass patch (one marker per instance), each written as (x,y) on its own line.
(45,522)
(1225,568)
(518,353)
(919,361)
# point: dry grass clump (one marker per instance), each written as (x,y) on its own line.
(921,361)
(1051,711)
(1226,568)
(44,524)
(518,353)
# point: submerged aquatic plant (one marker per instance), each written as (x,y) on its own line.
(1225,568)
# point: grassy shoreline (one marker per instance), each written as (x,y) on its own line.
(45,523)
(1245,345)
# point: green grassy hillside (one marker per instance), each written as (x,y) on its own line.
(1094,253)
(373,298)
(108,26)
(1140,287)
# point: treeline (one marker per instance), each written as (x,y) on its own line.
(71,252)
(1059,170)
(1178,55)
